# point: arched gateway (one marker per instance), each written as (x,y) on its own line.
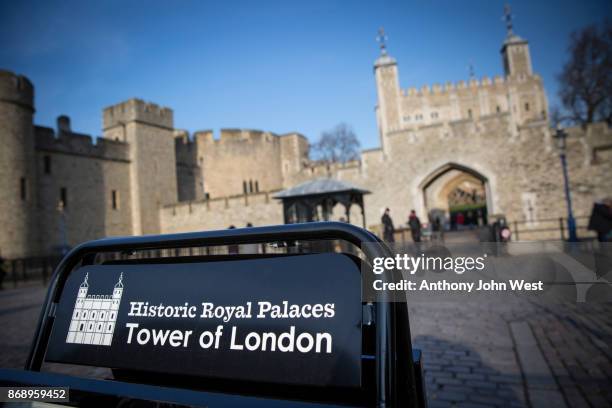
(458,195)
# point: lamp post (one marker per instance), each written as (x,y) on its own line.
(561,137)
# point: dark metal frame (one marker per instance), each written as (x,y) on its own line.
(396,380)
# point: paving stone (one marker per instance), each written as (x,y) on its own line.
(546,398)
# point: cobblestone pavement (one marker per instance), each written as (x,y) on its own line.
(494,352)
(516,352)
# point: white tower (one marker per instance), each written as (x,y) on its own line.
(95,316)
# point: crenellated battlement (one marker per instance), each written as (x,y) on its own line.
(181,137)
(238,136)
(450,87)
(16,89)
(137,110)
(79,144)
(186,148)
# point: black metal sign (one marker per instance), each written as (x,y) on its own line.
(291,320)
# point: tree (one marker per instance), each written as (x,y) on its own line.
(338,145)
(586,79)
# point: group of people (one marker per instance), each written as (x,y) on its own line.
(413,222)
(600,222)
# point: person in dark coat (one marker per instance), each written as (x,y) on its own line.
(601,220)
(388,228)
(415,226)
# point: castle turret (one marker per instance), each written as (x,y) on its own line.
(118,290)
(388,90)
(148,128)
(17,167)
(526,96)
(515,51)
(83,288)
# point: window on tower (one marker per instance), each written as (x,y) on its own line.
(23,189)
(47,164)
(115,199)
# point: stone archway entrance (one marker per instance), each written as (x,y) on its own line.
(457,195)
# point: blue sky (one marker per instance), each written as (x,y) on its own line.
(272,65)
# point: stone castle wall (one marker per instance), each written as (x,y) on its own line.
(230,168)
(18,199)
(189,176)
(219,213)
(473,99)
(95,183)
(523,179)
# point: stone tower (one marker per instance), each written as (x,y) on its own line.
(515,51)
(17,167)
(388,109)
(148,129)
(526,94)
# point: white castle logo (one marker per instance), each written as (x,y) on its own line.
(94,316)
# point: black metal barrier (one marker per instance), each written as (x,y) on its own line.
(395,375)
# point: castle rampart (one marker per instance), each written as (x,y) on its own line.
(227,173)
(219,213)
(80,145)
(137,110)
(16,89)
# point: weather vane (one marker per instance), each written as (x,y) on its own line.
(381,38)
(508,18)
(471,70)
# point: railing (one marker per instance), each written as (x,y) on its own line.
(550,228)
(25,271)
(38,270)
(543,229)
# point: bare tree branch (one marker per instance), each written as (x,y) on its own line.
(338,145)
(586,79)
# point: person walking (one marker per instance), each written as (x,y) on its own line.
(601,220)
(415,226)
(388,228)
